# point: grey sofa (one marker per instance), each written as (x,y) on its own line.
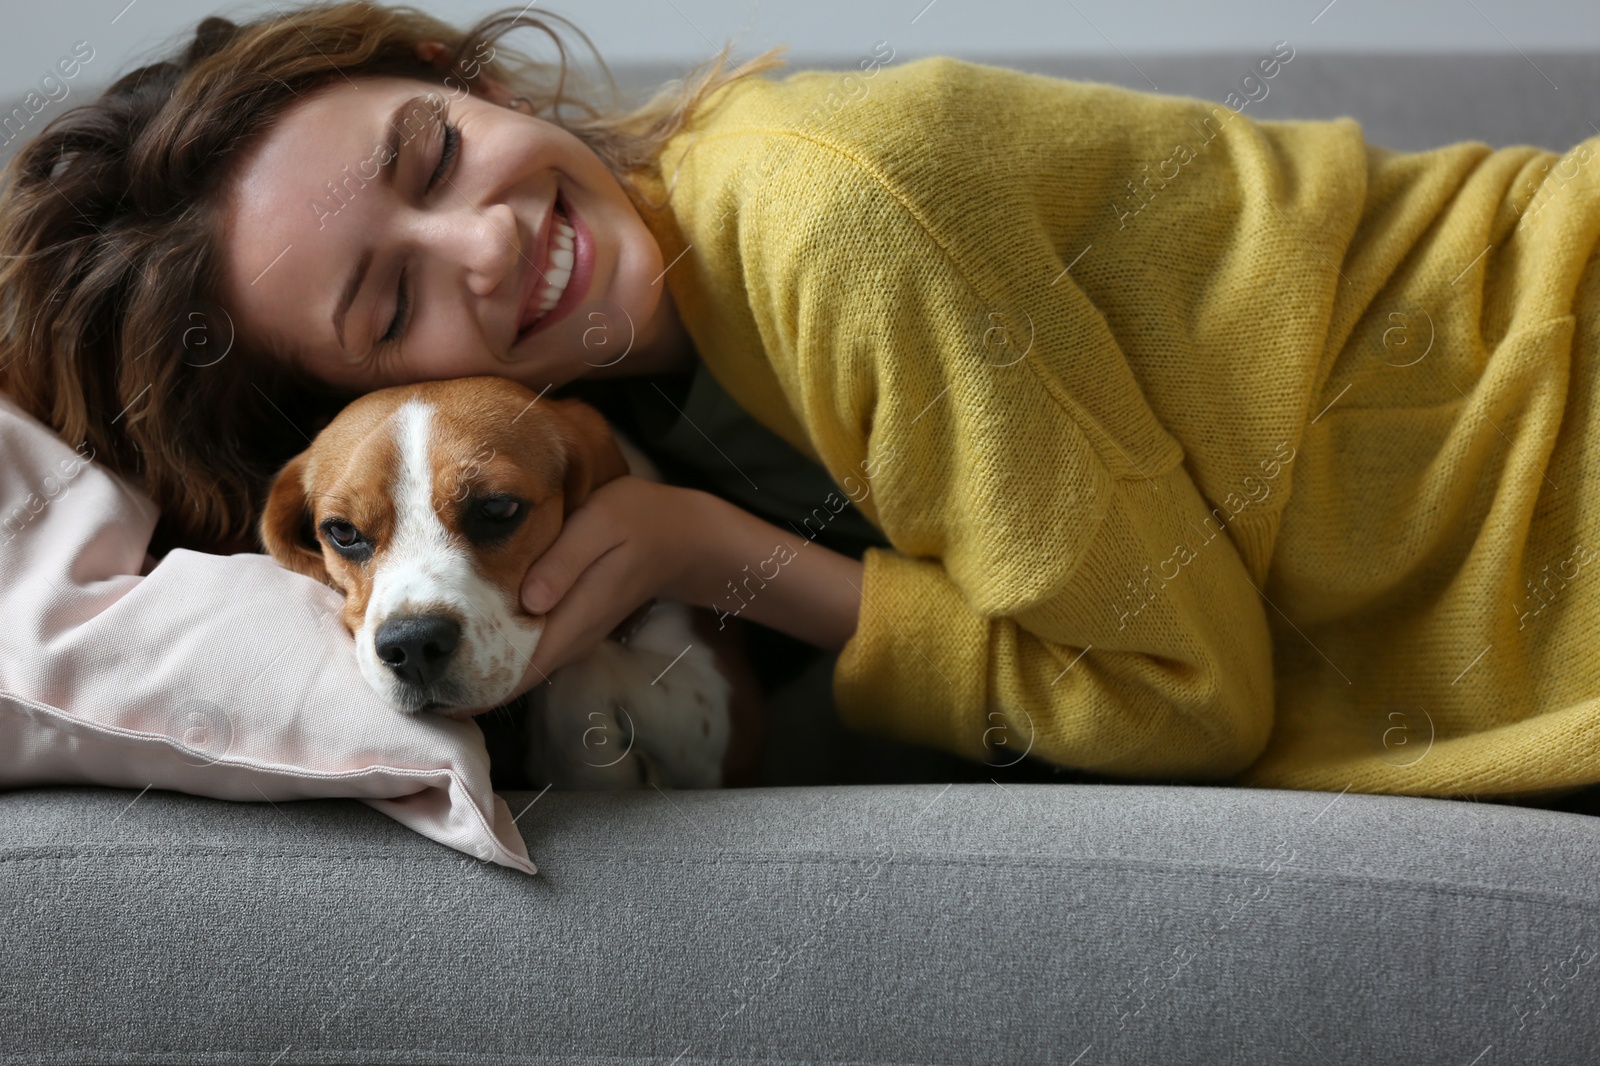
(872,902)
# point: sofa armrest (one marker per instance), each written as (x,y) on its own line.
(965,923)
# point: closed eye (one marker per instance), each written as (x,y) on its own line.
(402,312)
(447,155)
(487,519)
(448,151)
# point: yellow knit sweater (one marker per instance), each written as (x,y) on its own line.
(1209,448)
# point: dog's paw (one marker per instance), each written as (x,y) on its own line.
(578,744)
(680,699)
(651,712)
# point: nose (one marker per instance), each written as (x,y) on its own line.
(418,648)
(485,241)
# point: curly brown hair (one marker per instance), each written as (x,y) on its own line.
(108,262)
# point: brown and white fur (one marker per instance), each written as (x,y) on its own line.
(425,505)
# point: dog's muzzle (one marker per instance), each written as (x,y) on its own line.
(418,648)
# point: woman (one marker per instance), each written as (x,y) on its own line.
(1066,346)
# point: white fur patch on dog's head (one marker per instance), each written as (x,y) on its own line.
(429,571)
(425,505)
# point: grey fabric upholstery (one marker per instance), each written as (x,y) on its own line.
(1405,101)
(993,920)
(973,923)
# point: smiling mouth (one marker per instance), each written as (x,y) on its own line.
(560,263)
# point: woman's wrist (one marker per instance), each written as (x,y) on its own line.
(742,566)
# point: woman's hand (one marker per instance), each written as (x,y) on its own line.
(630,540)
(634,539)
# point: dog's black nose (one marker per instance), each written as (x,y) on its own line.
(418,648)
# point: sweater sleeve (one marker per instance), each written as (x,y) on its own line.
(1057,585)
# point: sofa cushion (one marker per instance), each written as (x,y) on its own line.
(970,923)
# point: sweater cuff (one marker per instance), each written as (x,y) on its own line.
(915,668)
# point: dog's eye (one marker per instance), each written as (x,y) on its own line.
(489,520)
(500,508)
(343,534)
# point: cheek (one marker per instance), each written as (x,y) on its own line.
(449,343)
(505,569)
(539,532)
(356,593)
(507,565)
(454,355)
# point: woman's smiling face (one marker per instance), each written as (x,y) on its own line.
(386,231)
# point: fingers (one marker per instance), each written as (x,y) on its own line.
(548,656)
(584,537)
(594,575)
(571,628)
(538,594)
(603,595)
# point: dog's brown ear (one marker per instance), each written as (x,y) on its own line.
(285,527)
(592,456)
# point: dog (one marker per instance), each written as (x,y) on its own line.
(425,505)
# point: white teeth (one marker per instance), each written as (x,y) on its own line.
(555,284)
(559,270)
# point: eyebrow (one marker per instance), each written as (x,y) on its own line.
(352,286)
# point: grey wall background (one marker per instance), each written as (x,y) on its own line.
(683,32)
(1530,73)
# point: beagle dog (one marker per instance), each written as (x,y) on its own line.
(425,505)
